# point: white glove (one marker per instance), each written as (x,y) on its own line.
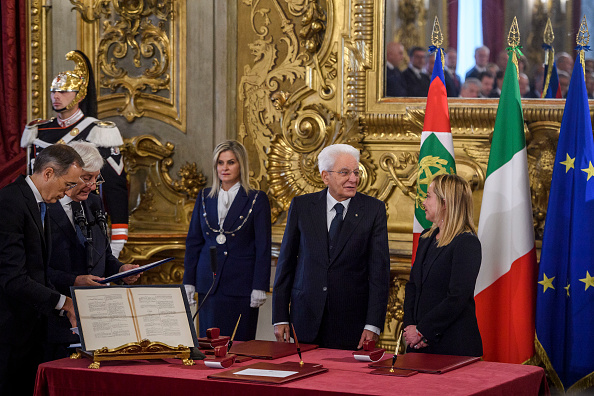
(191,292)
(258,298)
(116,247)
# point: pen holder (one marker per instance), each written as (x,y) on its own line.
(221,358)
(369,353)
(213,339)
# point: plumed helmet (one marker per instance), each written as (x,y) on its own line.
(79,80)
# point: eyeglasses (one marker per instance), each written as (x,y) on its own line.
(347,172)
(69,185)
(99,180)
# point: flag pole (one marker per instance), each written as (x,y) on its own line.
(548,38)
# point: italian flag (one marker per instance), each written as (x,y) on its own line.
(505,293)
(437,148)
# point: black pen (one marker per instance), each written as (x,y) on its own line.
(396,352)
(297,344)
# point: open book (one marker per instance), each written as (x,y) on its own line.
(114,316)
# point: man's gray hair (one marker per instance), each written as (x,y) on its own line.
(328,155)
(89,154)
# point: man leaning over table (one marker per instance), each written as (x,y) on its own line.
(26,296)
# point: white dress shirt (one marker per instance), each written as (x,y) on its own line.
(331,212)
(225,200)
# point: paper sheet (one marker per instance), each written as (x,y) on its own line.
(266,373)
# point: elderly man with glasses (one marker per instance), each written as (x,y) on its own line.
(333,270)
(81,254)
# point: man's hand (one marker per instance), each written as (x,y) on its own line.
(132,278)
(413,338)
(367,335)
(88,280)
(281,332)
(68,307)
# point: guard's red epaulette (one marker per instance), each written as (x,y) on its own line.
(39,121)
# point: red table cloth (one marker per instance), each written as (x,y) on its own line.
(345,375)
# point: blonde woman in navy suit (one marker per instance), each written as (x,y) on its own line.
(236,219)
(439,310)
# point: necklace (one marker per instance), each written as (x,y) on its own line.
(221,238)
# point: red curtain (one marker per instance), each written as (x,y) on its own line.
(453,24)
(494,31)
(13,92)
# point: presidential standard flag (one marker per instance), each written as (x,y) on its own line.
(505,287)
(437,148)
(565,293)
(553,88)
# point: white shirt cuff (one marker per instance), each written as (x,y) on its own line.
(372,328)
(61,302)
(280,323)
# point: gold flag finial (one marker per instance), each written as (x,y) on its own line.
(583,39)
(437,39)
(513,37)
(513,40)
(549,35)
(436,36)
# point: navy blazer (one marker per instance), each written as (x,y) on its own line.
(353,281)
(25,293)
(244,260)
(439,297)
(69,256)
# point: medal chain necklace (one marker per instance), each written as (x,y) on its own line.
(221,238)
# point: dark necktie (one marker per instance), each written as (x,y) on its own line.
(77,208)
(335,226)
(43,209)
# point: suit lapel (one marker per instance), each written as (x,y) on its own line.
(59,217)
(428,264)
(32,205)
(211,211)
(317,218)
(237,206)
(353,216)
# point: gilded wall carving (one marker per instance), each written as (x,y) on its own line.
(138,51)
(37,39)
(160,207)
(292,104)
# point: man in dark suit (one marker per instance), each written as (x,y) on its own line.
(415,79)
(394,83)
(26,296)
(452,80)
(481,58)
(332,276)
(69,265)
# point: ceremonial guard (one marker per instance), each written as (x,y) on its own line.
(74,100)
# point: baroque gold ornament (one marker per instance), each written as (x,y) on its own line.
(138,66)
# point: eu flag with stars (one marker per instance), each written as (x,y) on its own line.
(565,293)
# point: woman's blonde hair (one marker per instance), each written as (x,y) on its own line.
(456,209)
(244,171)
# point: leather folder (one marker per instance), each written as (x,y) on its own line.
(292,373)
(427,363)
(269,349)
